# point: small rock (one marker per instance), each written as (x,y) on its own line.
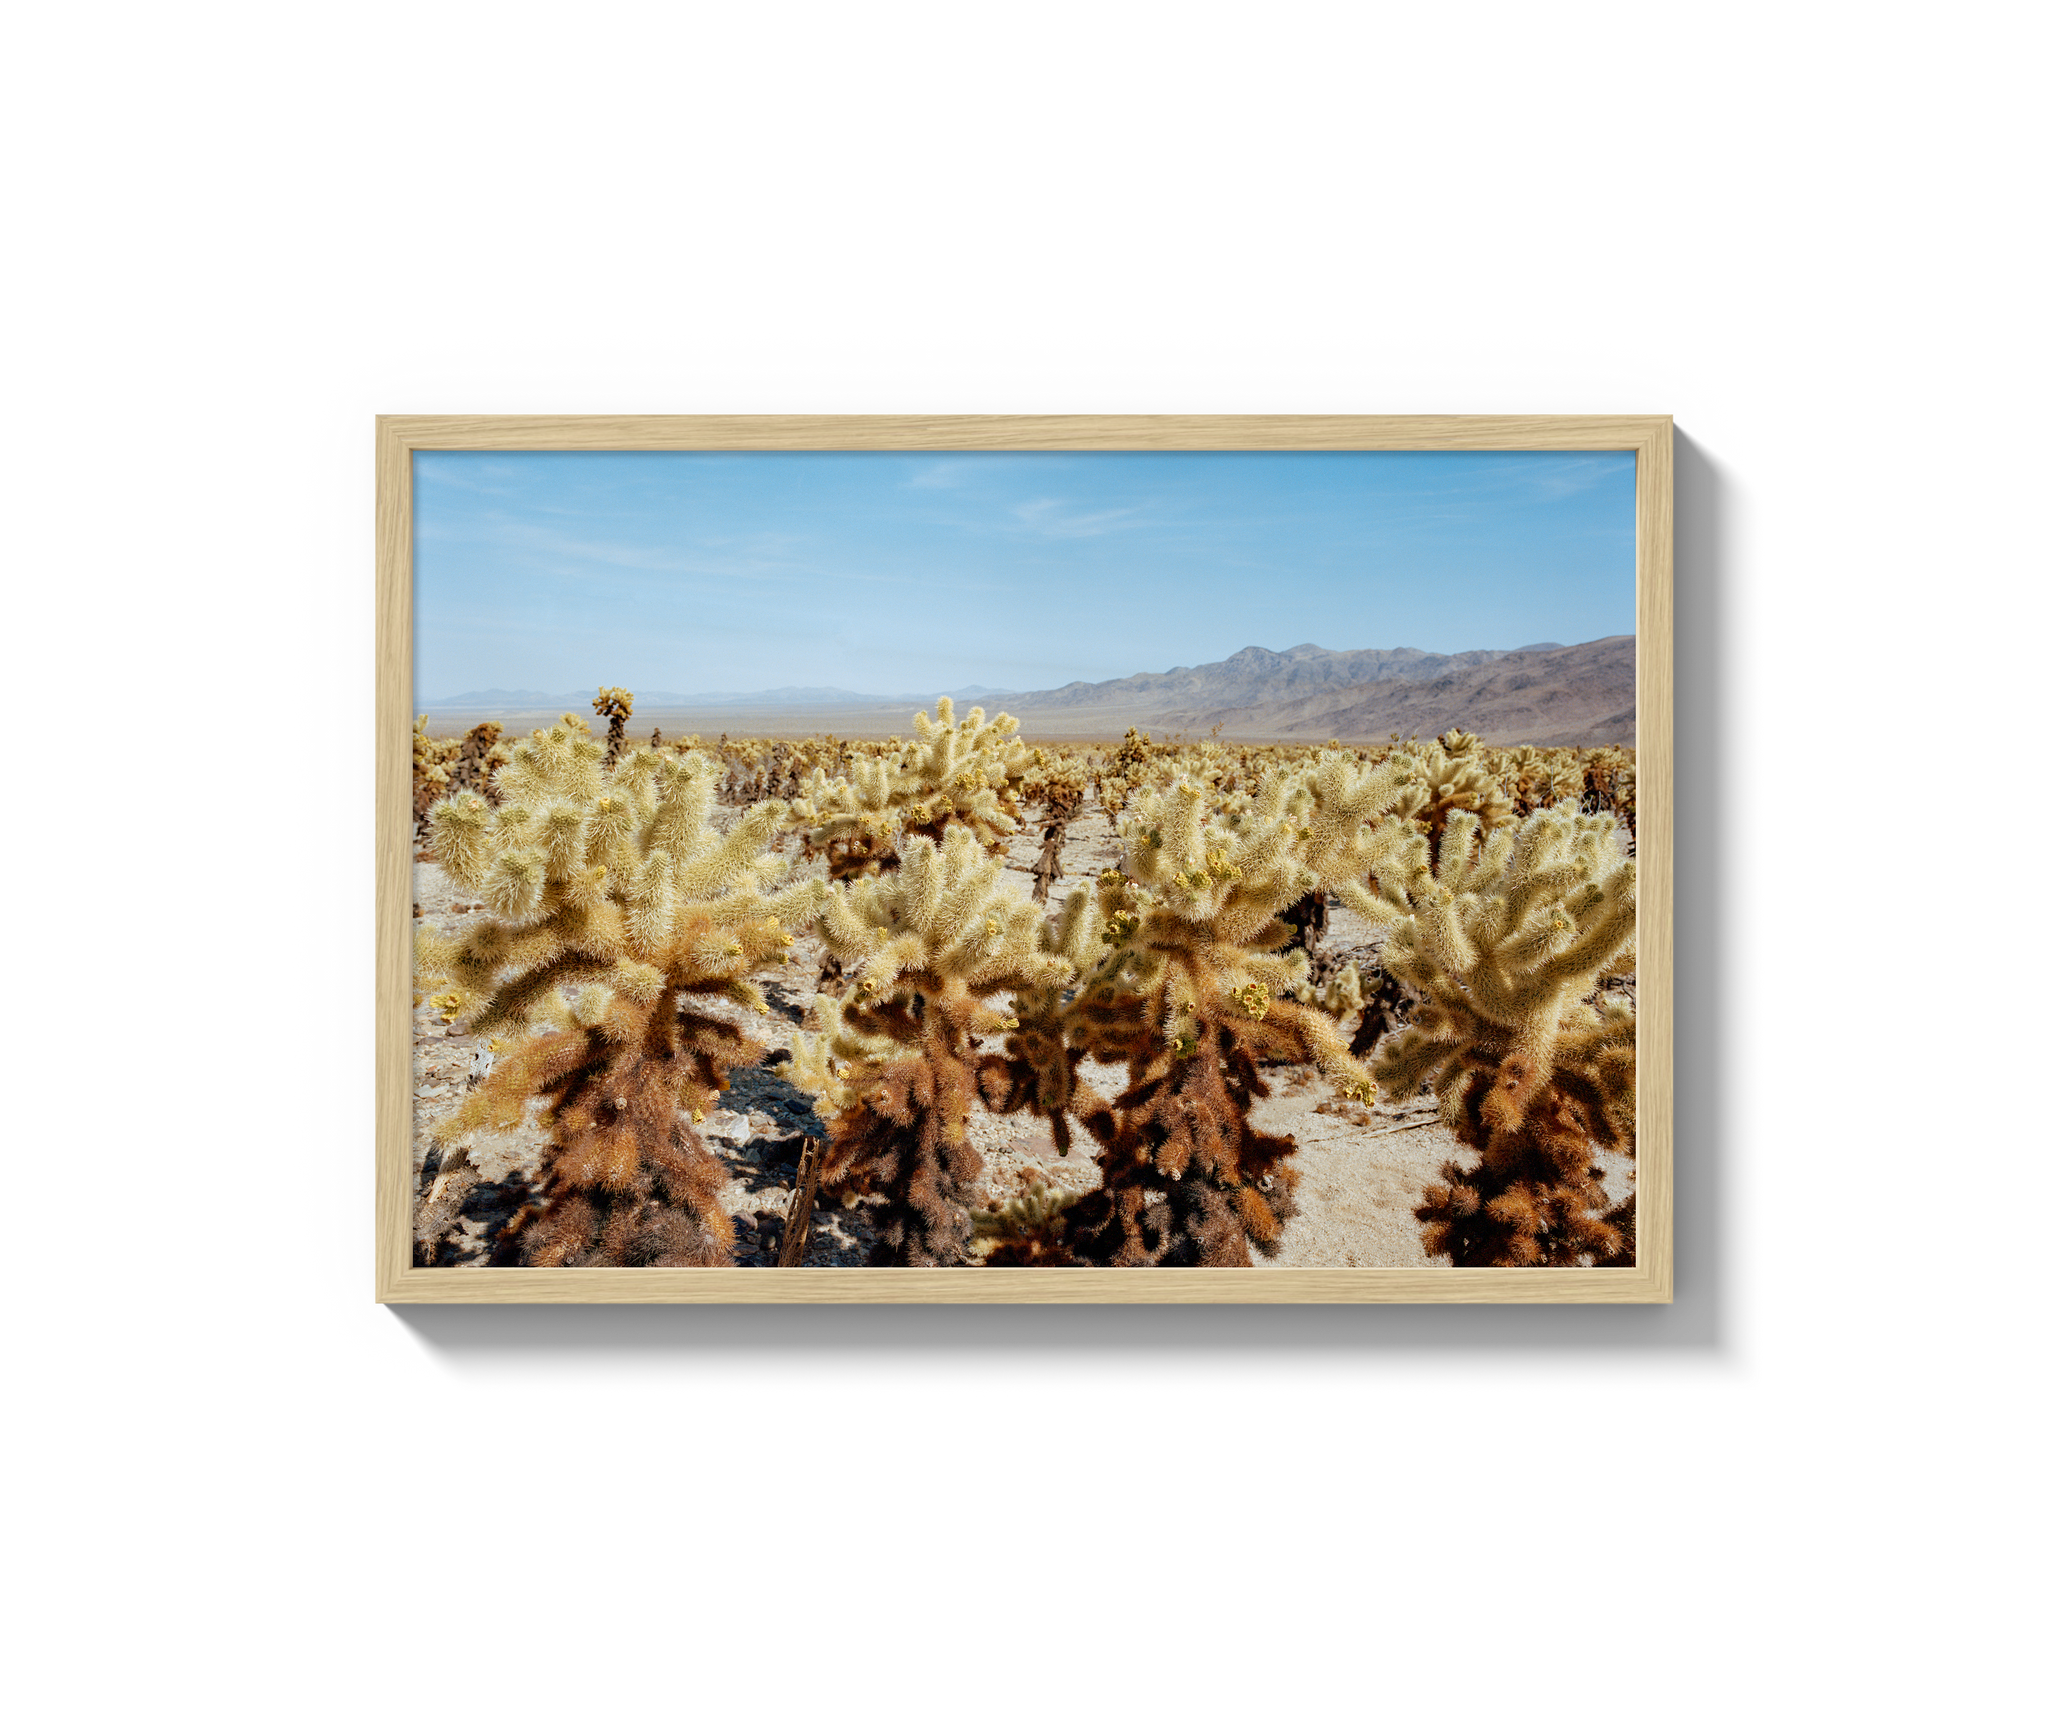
(723,1124)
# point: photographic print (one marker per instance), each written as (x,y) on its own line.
(1061,867)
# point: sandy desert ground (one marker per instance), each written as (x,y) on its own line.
(1362,1171)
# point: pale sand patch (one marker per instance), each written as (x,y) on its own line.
(1359,1184)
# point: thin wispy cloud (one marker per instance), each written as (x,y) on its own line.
(1570,476)
(565,555)
(946,474)
(475,481)
(1053,518)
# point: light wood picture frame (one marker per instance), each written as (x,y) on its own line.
(399,438)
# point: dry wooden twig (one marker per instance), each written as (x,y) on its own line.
(796,1227)
(1406,1126)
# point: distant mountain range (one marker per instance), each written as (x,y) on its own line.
(1256,676)
(1540,694)
(1577,695)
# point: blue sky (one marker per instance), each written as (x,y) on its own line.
(915,573)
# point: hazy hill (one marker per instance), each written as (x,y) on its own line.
(494,699)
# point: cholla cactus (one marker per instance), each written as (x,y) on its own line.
(1450,775)
(1380,1003)
(432,762)
(1503,942)
(1039,1069)
(1059,784)
(1029,1230)
(933,942)
(612,880)
(1540,778)
(1347,990)
(955,773)
(1191,995)
(1523,775)
(1610,776)
(750,771)
(481,756)
(1053,780)
(1126,771)
(617,703)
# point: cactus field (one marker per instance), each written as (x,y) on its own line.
(958,999)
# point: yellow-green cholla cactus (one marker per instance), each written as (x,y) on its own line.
(1505,941)
(1191,994)
(954,774)
(617,914)
(933,946)
(1449,775)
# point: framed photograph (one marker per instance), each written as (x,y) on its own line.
(1024,858)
